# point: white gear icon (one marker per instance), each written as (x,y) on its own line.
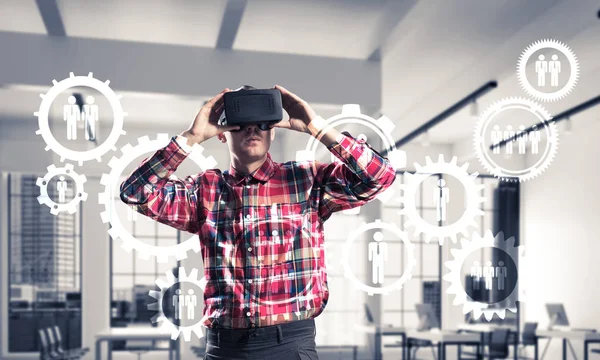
(517,253)
(408,269)
(473,199)
(164,323)
(482,146)
(58,88)
(80,194)
(383,127)
(522,67)
(108,198)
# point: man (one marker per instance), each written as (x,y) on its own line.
(260,225)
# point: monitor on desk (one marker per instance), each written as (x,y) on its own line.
(557,315)
(427,318)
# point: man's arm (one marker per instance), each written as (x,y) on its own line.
(174,202)
(362,174)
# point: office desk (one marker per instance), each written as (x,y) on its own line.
(134,333)
(443,339)
(485,329)
(380,332)
(587,337)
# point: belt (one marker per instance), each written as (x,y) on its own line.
(291,329)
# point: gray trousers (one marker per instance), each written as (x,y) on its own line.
(290,341)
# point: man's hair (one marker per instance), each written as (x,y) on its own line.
(245,87)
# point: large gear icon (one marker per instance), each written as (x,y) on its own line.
(80,194)
(408,269)
(522,67)
(482,147)
(488,241)
(383,127)
(473,199)
(43,120)
(108,198)
(164,323)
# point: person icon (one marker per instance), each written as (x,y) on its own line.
(509,135)
(496,138)
(191,301)
(522,137)
(488,274)
(71,115)
(177,302)
(476,273)
(378,255)
(535,137)
(541,68)
(61,187)
(554,67)
(441,197)
(501,274)
(90,114)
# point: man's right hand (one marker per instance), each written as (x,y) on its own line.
(205,124)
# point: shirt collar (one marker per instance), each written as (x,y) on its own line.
(263,173)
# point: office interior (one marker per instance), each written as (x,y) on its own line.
(431,67)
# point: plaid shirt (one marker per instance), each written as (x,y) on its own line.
(261,234)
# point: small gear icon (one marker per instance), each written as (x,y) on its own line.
(408,269)
(164,323)
(80,194)
(488,241)
(522,67)
(109,197)
(473,199)
(482,146)
(43,120)
(383,127)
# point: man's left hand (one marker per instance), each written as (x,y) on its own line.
(300,112)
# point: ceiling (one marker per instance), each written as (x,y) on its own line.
(431,54)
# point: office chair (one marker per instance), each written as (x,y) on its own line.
(55,340)
(417,344)
(498,347)
(528,337)
(47,353)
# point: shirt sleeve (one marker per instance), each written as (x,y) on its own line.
(150,191)
(356,179)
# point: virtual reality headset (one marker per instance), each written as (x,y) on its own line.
(260,107)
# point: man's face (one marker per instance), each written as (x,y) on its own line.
(250,144)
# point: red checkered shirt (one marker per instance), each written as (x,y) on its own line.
(261,235)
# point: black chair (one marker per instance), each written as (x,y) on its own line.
(56,348)
(528,337)
(498,347)
(46,351)
(416,344)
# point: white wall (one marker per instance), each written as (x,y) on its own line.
(560,230)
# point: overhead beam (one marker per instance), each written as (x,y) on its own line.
(394,11)
(51,17)
(33,59)
(232,17)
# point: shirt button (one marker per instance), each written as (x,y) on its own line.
(248,216)
(248,313)
(248,186)
(250,249)
(250,281)
(274,233)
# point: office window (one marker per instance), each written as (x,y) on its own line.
(132,277)
(44,265)
(399,306)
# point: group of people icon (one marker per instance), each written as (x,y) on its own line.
(72,114)
(180,301)
(521,136)
(544,67)
(489,272)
